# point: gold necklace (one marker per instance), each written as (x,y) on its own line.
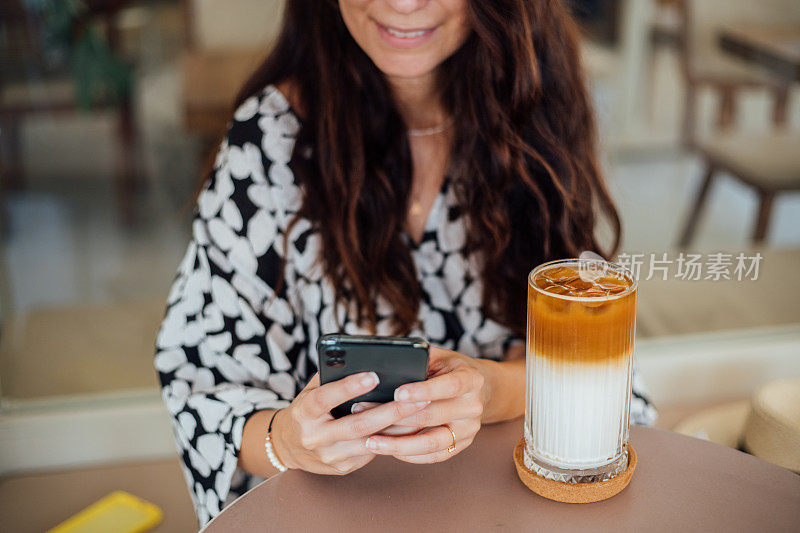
(432,130)
(415,209)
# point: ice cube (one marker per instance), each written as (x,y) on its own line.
(579,285)
(612,285)
(557,289)
(595,306)
(595,292)
(561,275)
(597,296)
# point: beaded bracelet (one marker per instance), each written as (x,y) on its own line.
(273,458)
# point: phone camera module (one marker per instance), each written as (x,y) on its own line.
(335,358)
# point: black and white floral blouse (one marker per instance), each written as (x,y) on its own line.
(230,346)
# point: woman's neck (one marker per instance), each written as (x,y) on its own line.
(418,101)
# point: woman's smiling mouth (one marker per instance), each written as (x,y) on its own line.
(404,38)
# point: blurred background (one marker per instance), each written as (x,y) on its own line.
(110,108)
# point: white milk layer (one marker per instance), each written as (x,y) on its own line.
(577,414)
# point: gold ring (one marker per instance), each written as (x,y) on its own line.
(452,447)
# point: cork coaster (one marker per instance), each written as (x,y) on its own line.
(573,492)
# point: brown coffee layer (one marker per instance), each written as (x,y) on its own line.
(594,330)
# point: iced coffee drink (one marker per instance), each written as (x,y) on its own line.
(581,316)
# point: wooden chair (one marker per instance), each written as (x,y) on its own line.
(666,32)
(769,163)
(30,85)
(705,65)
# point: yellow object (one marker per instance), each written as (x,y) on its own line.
(119,512)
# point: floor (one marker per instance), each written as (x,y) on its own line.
(34,503)
(70,247)
(653,192)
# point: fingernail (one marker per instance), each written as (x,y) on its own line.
(372,444)
(420,405)
(370,379)
(357,408)
(401,395)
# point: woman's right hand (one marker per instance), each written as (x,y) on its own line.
(306,436)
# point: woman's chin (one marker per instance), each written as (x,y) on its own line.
(405,68)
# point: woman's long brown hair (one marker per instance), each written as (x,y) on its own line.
(523,162)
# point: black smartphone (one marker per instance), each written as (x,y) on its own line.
(396,360)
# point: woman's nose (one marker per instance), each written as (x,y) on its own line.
(406,6)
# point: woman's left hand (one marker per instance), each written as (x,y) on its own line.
(458,390)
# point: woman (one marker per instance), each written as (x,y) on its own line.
(394,167)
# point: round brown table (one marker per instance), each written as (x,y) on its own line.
(680,484)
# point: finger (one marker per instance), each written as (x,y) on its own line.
(431,441)
(436,457)
(341,451)
(319,401)
(399,431)
(368,422)
(396,429)
(450,385)
(444,411)
(352,464)
(363,406)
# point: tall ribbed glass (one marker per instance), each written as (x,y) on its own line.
(581,316)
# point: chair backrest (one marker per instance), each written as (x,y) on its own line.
(705,17)
(701,22)
(223,24)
